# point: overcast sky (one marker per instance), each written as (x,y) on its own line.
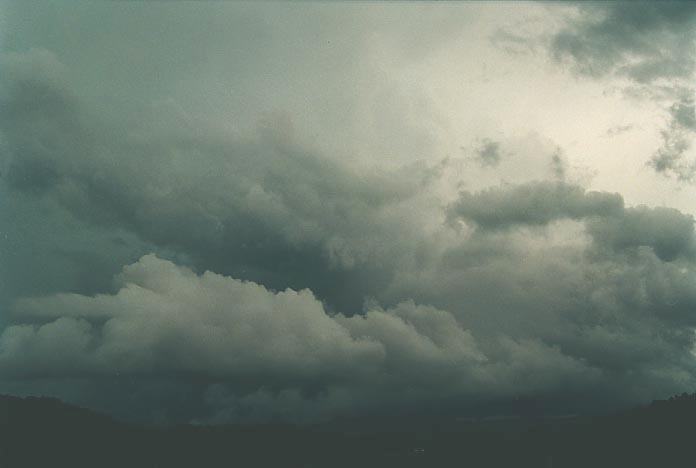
(224,212)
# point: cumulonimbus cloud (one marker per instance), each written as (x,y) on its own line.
(541,287)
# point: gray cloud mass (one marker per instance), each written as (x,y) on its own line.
(239,269)
(488,154)
(642,40)
(533,204)
(672,158)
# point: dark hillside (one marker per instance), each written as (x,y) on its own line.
(42,432)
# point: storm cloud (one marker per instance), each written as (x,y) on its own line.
(264,199)
(266,222)
(644,41)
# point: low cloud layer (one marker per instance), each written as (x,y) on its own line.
(167,322)
(590,297)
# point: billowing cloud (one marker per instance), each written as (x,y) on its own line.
(551,282)
(165,321)
(305,246)
(610,324)
(264,199)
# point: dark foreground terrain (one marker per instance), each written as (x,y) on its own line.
(42,432)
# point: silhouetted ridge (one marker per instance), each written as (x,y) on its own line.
(44,432)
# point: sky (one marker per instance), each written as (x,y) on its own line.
(222,212)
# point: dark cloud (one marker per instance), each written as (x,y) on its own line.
(683,112)
(603,304)
(669,158)
(533,204)
(488,154)
(672,158)
(286,285)
(669,232)
(262,206)
(641,40)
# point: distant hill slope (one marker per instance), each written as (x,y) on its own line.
(42,432)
